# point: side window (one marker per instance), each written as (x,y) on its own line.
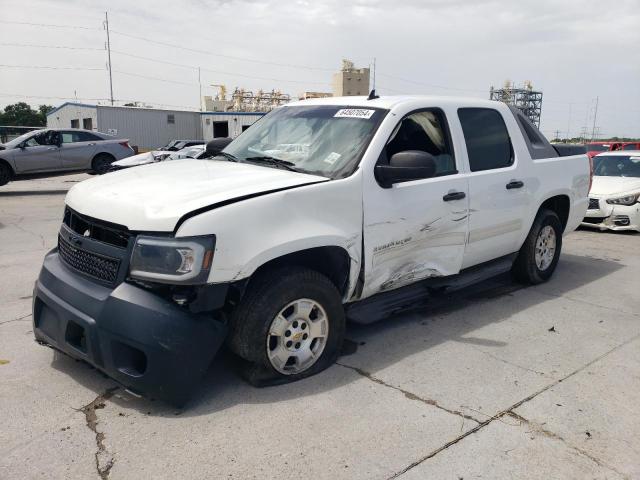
(86,137)
(486,137)
(631,146)
(68,137)
(425,131)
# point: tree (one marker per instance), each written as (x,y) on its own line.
(21,114)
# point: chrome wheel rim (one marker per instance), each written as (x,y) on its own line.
(545,247)
(297,336)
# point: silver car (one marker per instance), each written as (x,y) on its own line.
(59,150)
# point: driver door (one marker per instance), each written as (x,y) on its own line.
(40,153)
(417,229)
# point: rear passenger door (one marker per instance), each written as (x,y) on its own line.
(498,194)
(77,149)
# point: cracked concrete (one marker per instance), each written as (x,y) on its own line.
(104,458)
(473,387)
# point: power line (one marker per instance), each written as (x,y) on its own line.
(45,97)
(160,79)
(217,72)
(63,47)
(430,85)
(220,55)
(46,67)
(50,25)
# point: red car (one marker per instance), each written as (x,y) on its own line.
(630,146)
(594,148)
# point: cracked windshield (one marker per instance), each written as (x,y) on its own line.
(319,140)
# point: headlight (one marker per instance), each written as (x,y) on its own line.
(172,260)
(626,200)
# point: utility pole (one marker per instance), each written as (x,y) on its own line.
(200,86)
(106,26)
(595,115)
(557,136)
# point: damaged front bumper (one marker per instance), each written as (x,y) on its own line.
(604,216)
(142,340)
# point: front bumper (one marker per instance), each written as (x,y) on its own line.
(148,344)
(613,217)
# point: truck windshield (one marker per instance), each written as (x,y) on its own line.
(617,166)
(321,140)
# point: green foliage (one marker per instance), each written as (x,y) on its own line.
(22,115)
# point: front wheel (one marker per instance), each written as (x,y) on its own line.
(540,252)
(5,174)
(290,324)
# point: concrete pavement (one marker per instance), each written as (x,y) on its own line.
(500,381)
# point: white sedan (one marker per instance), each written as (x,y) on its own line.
(614,199)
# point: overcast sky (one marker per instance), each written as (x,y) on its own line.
(574,51)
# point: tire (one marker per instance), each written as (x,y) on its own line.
(534,270)
(101,163)
(6,174)
(276,302)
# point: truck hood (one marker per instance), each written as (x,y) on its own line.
(606,186)
(154,197)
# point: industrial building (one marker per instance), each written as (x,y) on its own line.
(525,99)
(150,128)
(350,80)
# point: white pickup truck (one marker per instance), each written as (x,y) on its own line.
(324,210)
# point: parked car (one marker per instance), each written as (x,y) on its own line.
(175,145)
(387,202)
(630,146)
(614,199)
(60,150)
(197,151)
(595,148)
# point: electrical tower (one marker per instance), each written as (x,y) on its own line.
(525,99)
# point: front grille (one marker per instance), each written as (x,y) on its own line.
(100,267)
(594,204)
(594,220)
(104,232)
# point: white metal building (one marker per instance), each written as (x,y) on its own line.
(149,128)
(227,124)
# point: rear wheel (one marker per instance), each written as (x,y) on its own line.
(102,163)
(290,325)
(540,252)
(5,173)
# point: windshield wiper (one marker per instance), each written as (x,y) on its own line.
(278,162)
(227,156)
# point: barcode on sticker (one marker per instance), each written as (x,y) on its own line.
(354,113)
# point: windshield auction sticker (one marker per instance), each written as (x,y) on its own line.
(354,113)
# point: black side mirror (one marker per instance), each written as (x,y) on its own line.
(406,166)
(215,146)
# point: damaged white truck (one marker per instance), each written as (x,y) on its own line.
(324,210)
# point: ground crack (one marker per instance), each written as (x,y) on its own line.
(16,319)
(104,459)
(537,428)
(509,411)
(409,395)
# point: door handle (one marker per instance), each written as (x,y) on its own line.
(514,184)
(52,148)
(454,196)
(91,144)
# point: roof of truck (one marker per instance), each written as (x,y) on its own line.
(391,101)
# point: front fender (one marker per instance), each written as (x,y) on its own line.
(254,231)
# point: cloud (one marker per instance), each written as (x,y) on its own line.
(572,50)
